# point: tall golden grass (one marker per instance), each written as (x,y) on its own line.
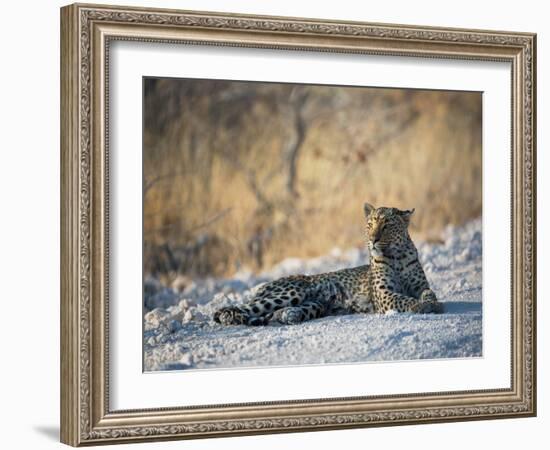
(244,174)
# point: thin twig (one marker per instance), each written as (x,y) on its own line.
(206,223)
(147,185)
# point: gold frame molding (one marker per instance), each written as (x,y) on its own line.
(86,31)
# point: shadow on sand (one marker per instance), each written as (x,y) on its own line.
(462,308)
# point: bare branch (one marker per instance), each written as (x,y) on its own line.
(147,185)
(210,221)
(297,103)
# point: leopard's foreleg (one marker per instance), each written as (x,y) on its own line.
(394,301)
(417,286)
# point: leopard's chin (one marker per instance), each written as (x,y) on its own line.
(376,250)
(376,253)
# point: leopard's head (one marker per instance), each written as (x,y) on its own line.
(387,229)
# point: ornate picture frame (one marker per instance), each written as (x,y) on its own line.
(87,32)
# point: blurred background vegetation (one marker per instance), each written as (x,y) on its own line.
(244,174)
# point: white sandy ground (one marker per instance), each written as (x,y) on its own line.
(179,332)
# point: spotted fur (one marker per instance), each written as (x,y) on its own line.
(393,281)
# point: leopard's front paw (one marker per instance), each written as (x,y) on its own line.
(231,316)
(428,303)
(428,295)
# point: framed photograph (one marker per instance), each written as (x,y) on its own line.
(275,224)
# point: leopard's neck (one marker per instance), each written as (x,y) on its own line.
(395,257)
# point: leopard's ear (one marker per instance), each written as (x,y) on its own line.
(405,214)
(368,209)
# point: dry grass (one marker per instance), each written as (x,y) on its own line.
(218,163)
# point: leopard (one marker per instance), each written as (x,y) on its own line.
(393,281)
